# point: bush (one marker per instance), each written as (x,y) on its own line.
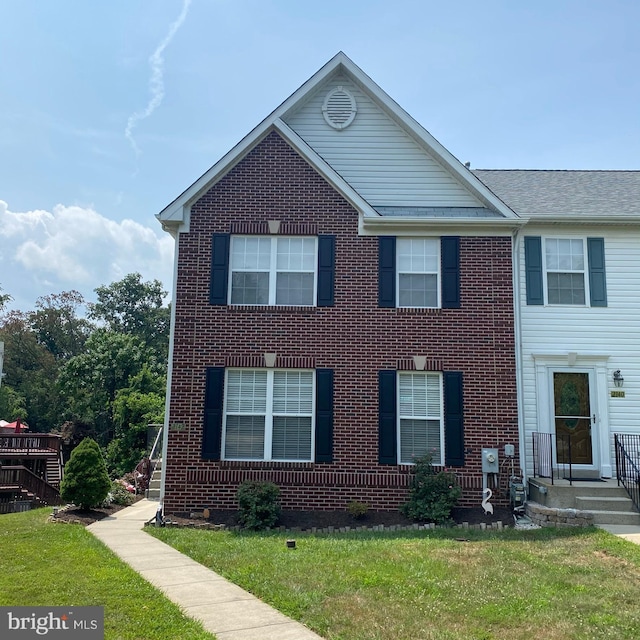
(432,494)
(357,510)
(119,494)
(258,504)
(86,481)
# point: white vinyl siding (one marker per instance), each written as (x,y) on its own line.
(269,414)
(376,157)
(418,272)
(420,417)
(273,270)
(607,335)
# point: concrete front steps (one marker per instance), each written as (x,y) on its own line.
(607,503)
(153,492)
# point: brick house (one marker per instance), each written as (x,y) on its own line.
(343,301)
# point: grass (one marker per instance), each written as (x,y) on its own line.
(52,564)
(556,584)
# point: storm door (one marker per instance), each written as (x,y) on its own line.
(573,415)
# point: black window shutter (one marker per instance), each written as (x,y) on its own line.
(533,269)
(597,274)
(326,270)
(218,285)
(324,415)
(386,271)
(387,429)
(450,262)
(213,403)
(453,419)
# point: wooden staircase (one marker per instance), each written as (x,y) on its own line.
(604,499)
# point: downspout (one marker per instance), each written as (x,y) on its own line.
(167,402)
(517,322)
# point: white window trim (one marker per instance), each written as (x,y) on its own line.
(268,415)
(438,273)
(400,417)
(273,272)
(585,272)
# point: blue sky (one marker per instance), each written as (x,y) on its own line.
(109,110)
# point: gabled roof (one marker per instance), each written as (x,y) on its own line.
(567,196)
(176,215)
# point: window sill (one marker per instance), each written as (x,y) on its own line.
(259,308)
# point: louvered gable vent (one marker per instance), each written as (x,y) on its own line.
(339,108)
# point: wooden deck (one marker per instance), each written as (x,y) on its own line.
(32,445)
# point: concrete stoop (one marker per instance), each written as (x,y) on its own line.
(581,503)
(153,492)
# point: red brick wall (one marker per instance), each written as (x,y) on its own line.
(354,337)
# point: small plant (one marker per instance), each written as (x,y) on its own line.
(119,494)
(432,494)
(86,481)
(357,510)
(258,504)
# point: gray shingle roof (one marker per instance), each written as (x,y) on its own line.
(565,194)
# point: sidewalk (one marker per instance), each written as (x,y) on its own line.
(222,607)
(628,532)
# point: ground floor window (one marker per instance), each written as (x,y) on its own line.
(420,416)
(269,414)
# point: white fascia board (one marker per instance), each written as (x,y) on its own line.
(582,221)
(397,226)
(325,170)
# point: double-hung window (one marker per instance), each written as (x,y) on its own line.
(269,414)
(273,270)
(418,271)
(420,417)
(565,266)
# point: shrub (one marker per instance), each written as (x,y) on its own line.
(258,504)
(86,481)
(357,510)
(432,494)
(119,494)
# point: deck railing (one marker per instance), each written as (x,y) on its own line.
(17,478)
(628,464)
(29,443)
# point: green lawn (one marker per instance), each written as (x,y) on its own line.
(551,584)
(53,564)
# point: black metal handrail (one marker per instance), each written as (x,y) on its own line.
(627,465)
(543,455)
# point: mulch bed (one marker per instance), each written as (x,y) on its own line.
(296,519)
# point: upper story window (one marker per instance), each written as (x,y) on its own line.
(565,271)
(269,415)
(418,271)
(273,270)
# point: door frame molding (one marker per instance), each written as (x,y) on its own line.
(595,364)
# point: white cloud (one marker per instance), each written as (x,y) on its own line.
(75,247)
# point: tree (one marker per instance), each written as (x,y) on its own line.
(58,326)
(134,409)
(89,382)
(135,308)
(4,299)
(86,481)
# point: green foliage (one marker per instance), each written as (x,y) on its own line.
(432,494)
(357,510)
(85,482)
(13,405)
(118,494)
(258,504)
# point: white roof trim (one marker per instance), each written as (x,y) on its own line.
(176,214)
(380,226)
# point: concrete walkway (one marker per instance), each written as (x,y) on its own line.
(222,607)
(628,532)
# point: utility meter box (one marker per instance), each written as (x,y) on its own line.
(490,461)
